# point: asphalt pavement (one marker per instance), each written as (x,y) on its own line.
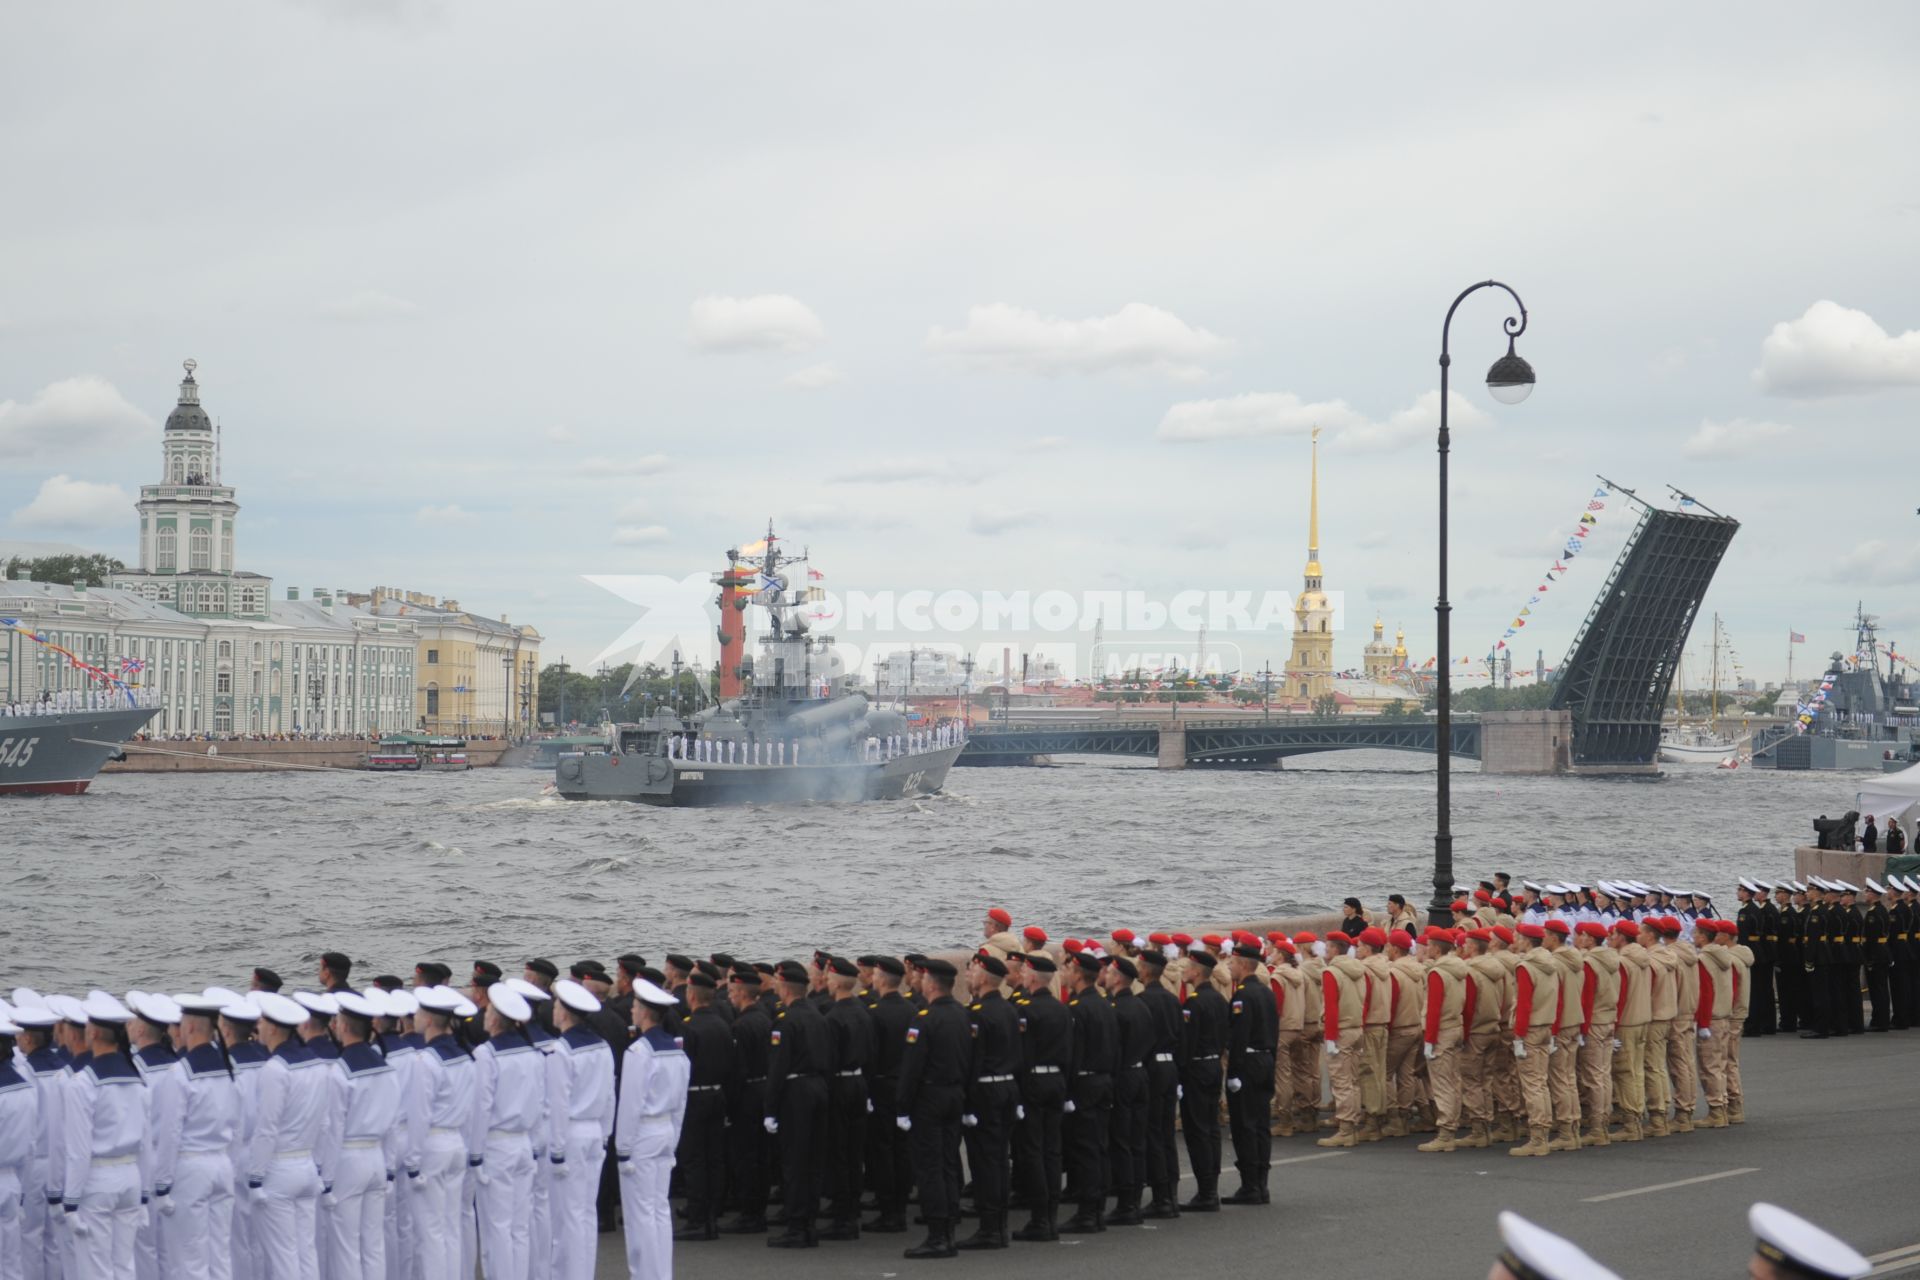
(1832,1132)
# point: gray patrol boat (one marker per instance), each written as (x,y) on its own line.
(785,729)
(49,750)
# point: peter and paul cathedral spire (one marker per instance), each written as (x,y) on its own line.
(1310,667)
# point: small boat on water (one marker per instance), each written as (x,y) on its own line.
(418,753)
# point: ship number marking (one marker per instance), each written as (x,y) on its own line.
(15,752)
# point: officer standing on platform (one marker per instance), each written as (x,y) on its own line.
(889,1159)
(747,1143)
(847,1099)
(1127,1138)
(1046,1055)
(928,1107)
(798,1064)
(1164,1061)
(1204,1045)
(1876,950)
(1252,1039)
(992,1095)
(1096,1054)
(701,1155)
(1752,920)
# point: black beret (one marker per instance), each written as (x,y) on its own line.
(722,959)
(890,964)
(1152,957)
(268,979)
(387,982)
(682,963)
(542,965)
(1247,953)
(1087,960)
(940,968)
(585,968)
(763,967)
(1205,959)
(992,965)
(790,971)
(915,959)
(707,967)
(652,975)
(631,964)
(484,980)
(1126,968)
(1351,902)
(745,974)
(487,967)
(841,966)
(701,978)
(1043,962)
(866,962)
(434,972)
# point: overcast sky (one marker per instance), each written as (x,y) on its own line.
(974,295)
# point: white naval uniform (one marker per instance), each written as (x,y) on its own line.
(363,1106)
(20,1131)
(400,1052)
(40,1236)
(281,1175)
(509,1104)
(653,1104)
(579,1121)
(104,1141)
(166,1081)
(436,1153)
(248,1058)
(193,1169)
(540,1223)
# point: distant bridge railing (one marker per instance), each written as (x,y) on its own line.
(1214,741)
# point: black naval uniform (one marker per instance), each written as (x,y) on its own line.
(1046,1056)
(701,1155)
(1855,932)
(1902,923)
(1164,1063)
(1876,949)
(1096,1052)
(1253,1038)
(1816,947)
(992,1094)
(1751,921)
(1205,1044)
(933,1077)
(847,1114)
(1782,925)
(1127,1137)
(800,1060)
(889,1160)
(746,1106)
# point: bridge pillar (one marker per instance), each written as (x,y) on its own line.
(1173,747)
(1525,741)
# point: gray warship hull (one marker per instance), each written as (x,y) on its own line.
(59,754)
(654,779)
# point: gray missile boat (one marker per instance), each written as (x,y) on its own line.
(46,750)
(785,729)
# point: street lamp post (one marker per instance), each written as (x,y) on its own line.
(1509,381)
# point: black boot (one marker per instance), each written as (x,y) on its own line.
(1206,1200)
(842,1229)
(1249,1192)
(744,1224)
(794,1237)
(704,1228)
(939,1241)
(992,1232)
(1164,1205)
(1126,1208)
(1086,1222)
(891,1222)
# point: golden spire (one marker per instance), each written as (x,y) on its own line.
(1313,516)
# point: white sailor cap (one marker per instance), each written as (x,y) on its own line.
(1765,886)
(1847,886)
(129,997)
(530,990)
(156,1008)
(1749,885)
(575,996)
(8,1027)
(324,1005)
(440,1000)
(277,1008)
(358,1005)
(1463,888)
(647,993)
(1873,886)
(224,995)
(1534,1253)
(1700,893)
(240,1011)
(1530,885)
(101,1007)
(202,1003)
(509,1003)
(466,1008)
(27,995)
(1799,886)
(402,1004)
(69,1009)
(1905,884)
(1787,1238)
(33,1016)
(6,1009)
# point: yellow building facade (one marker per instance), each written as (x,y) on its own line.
(477,677)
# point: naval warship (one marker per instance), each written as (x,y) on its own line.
(48,751)
(785,728)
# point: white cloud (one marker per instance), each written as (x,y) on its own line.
(995,521)
(1281,413)
(813,378)
(902,470)
(1136,337)
(639,535)
(1880,563)
(561,435)
(452,513)
(1043,444)
(767,321)
(1732,439)
(1834,351)
(636,511)
(368,306)
(66,503)
(647,464)
(68,416)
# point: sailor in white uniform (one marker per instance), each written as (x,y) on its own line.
(436,1150)
(510,1094)
(401,1047)
(46,1068)
(282,1179)
(193,1147)
(579,1121)
(540,1223)
(248,1057)
(20,1132)
(652,1107)
(150,1033)
(365,1104)
(104,1141)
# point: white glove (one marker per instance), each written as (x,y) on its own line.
(1233,1085)
(1616,1046)
(328,1199)
(969,1121)
(1706,1033)
(481,1177)
(772,1125)
(145,1219)
(1583,1041)
(1553,1047)
(1069,1106)
(1519,1048)
(1019,1112)
(1333,1048)
(77,1223)
(166,1203)
(627,1169)
(1179,1093)
(869,1106)
(259,1194)
(1427,1049)
(905,1123)
(559,1168)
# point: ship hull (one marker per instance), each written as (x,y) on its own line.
(1698,752)
(681,783)
(60,754)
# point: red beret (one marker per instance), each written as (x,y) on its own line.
(1483,935)
(1533,931)
(1374,936)
(1124,936)
(1402,939)
(1276,937)
(1435,933)
(1557,926)
(1305,938)
(1092,944)
(1670,924)
(1158,939)
(1481,895)
(1002,915)
(1592,928)
(1730,928)
(1183,940)
(1503,933)
(1212,939)
(1627,927)
(1072,945)
(1243,938)
(1035,934)
(1459,904)
(1337,936)
(1280,943)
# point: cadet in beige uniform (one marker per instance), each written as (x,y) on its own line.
(1563,1077)
(1306,1061)
(1443,1039)
(1630,1031)
(1664,973)
(1682,1068)
(1290,999)
(1742,998)
(1536,1010)
(1406,1009)
(1599,1010)
(1376,1089)
(1484,1036)
(1712,1017)
(1343,994)
(1509,1112)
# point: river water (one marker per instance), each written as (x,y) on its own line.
(175,881)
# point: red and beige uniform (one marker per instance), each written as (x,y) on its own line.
(1449,1005)
(1343,1001)
(1635,1011)
(1484,1035)
(1306,1058)
(1406,1015)
(1536,1010)
(1713,1018)
(1563,1069)
(1664,980)
(1682,1071)
(1599,1010)
(1504,1082)
(1376,1084)
(1289,987)
(1742,995)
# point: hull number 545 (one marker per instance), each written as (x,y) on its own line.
(15,752)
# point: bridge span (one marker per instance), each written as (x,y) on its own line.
(1504,742)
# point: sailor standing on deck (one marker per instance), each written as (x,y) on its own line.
(509,1104)
(652,1106)
(363,1108)
(400,1046)
(436,1151)
(45,1068)
(193,1152)
(248,1057)
(159,1066)
(540,1035)
(282,1179)
(19,1136)
(104,1145)
(579,1119)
